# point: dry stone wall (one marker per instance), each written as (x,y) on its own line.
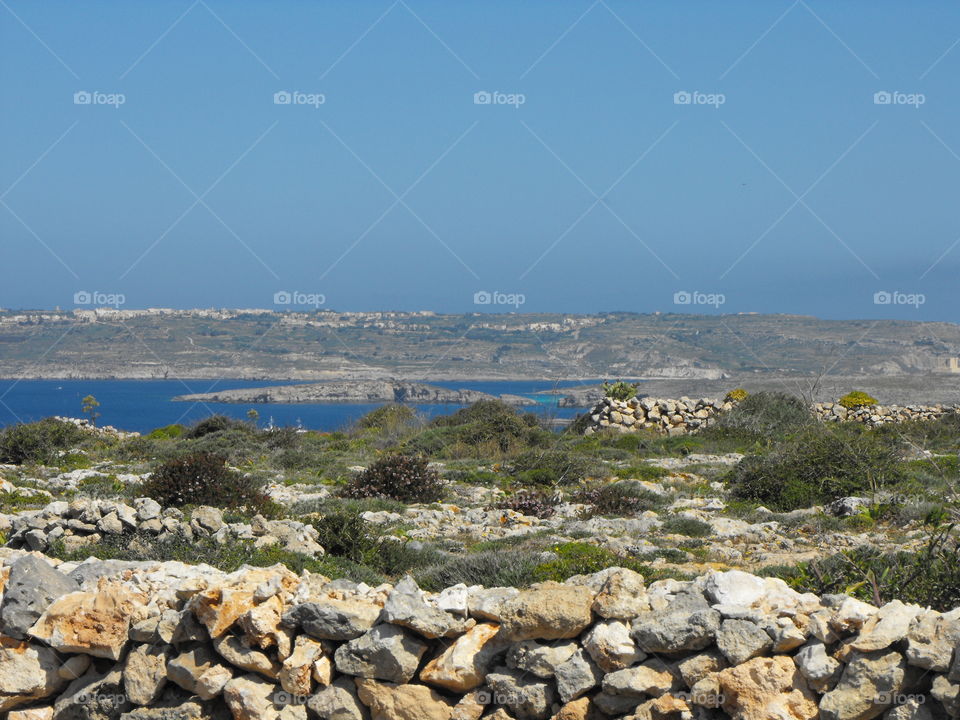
(167,641)
(683,415)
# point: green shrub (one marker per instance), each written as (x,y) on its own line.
(763,416)
(620,390)
(387,416)
(346,534)
(551,467)
(216,424)
(618,499)
(641,471)
(530,502)
(580,558)
(203,478)
(407,478)
(486,426)
(856,399)
(929,577)
(816,466)
(168,432)
(688,526)
(38,442)
(736,395)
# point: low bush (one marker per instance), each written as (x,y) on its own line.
(487,426)
(38,442)
(736,395)
(347,535)
(929,577)
(388,416)
(816,466)
(551,467)
(203,478)
(495,568)
(530,502)
(215,424)
(580,558)
(167,432)
(762,417)
(857,399)
(620,499)
(688,526)
(407,478)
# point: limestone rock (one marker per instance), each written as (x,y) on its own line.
(235,652)
(611,647)
(31,586)
(339,701)
(548,611)
(742,640)
(524,695)
(653,678)
(145,673)
(766,689)
(677,631)
(298,668)
(386,652)
(931,639)
(403,702)
(250,697)
(866,687)
(406,607)
(27,672)
(622,596)
(334,619)
(890,624)
(820,669)
(197,671)
(540,659)
(464,665)
(578,675)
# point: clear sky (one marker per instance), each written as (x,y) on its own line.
(625,156)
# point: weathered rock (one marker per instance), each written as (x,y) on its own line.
(27,673)
(95,624)
(677,631)
(94,696)
(406,607)
(948,694)
(198,671)
(35,713)
(890,624)
(262,626)
(932,638)
(339,701)
(235,652)
(578,675)
(333,619)
(298,668)
(622,596)
(820,670)
(525,696)
(464,665)
(611,647)
(653,678)
(540,659)
(250,697)
(742,640)
(866,687)
(696,667)
(145,673)
(766,689)
(548,611)
(913,709)
(403,702)
(487,603)
(386,652)
(32,585)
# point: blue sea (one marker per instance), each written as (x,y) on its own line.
(142,405)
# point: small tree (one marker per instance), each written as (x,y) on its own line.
(253,416)
(89,408)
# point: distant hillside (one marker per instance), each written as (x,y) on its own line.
(425,346)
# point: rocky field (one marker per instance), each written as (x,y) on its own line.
(768,565)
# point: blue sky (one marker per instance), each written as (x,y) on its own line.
(587,184)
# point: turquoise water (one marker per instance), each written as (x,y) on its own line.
(142,405)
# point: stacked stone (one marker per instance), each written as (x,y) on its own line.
(874,415)
(87,521)
(152,641)
(673,417)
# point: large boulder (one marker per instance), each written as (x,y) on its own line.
(765,689)
(403,702)
(386,652)
(464,665)
(32,585)
(333,619)
(867,687)
(27,673)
